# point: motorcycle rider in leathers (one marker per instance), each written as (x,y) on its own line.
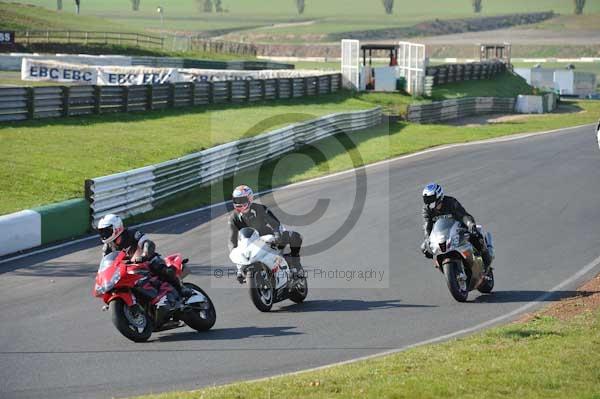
(247,213)
(139,248)
(436,204)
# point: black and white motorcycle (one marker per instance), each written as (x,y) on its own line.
(266,270)
(458,259)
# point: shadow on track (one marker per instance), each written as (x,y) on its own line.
(346,305)
(229,333)
(528,296)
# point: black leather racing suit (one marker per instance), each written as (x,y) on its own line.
(259,217)
(137,244)
(451,206)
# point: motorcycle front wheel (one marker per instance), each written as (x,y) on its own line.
(262,291)
(132,322)
(488,283)
(300,291)
(205,316)
(456,285)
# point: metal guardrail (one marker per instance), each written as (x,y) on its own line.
(22,103)
(459,108)
(448,73)
(137,191)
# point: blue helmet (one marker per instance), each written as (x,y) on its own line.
(433,194)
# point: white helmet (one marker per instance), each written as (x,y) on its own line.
(433,194)
(110,227)
(242,198)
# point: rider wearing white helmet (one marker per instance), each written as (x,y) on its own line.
(436,204)
(247,213)
(139,248)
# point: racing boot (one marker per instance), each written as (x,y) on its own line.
(171,278)
(296,269)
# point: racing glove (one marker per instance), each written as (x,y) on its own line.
(240,277)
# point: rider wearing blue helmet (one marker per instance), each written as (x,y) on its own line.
(437,204)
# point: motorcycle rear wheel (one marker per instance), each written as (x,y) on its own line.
(132,322)
(262,291)
(459,291)
(201,320)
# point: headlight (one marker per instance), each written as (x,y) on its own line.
(111,284)
(455,241)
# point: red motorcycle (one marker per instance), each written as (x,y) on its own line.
(141,303)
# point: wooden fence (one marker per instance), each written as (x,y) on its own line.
(449,73)
(84,37)
(22,103)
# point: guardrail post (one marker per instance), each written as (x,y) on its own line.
(263,89)
(291,80)
(277,89)
(149,97)
(97,99)
(229,91)
(318,84)
(171,98)
(125,98)
(305,84)
(192,93)
(330,83)
(247,88)
(30,102)
(65,100)
(211,93)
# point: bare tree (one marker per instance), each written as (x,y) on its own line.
(59,5)
(208,5)
(77,6)
(135,5)
(300,6)
(218,6)
(579,4)
(389,6)
(477,6)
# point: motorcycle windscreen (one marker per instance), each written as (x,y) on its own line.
(441,233)
(108,261)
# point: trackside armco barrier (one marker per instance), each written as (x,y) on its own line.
(470,106)
(138,190)
(459,108)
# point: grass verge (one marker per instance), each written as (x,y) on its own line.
(45,161)
(503,85)
(542,358)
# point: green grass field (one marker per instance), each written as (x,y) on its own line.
(504,85)
(329,16)
(48,160)
(542,358)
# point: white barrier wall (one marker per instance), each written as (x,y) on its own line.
(54,71)
(19,231)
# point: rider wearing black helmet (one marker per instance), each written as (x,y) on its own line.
(436,204)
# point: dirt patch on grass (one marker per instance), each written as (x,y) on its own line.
(586,299)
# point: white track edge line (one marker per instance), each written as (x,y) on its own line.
(518,136)
(587,268)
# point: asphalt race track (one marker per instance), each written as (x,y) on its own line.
(539,196)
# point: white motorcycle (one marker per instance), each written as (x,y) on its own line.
(458,259)
(266,270)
